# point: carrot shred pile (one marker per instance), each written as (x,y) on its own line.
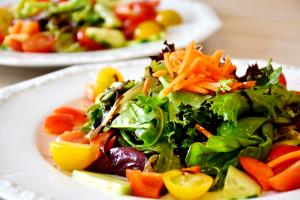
(191,70)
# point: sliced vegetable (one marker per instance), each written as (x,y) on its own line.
(281,149)
(146,30)
(110,37)
(145,184)
(105,78)
(39,43)
(295,155)
(74,136)
(287,179)
(30,27)
(87,42)
(187,186)
(71,156)
(103,182)
(258,170)
(59,123)
(15,45)
(168,18)
(239,185)
(78,115)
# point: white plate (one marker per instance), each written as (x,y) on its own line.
(200,22)
(25,172)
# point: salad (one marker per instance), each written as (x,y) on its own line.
(45,26)
(191,127)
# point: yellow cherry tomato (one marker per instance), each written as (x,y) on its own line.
(186,186)
(147,29)
(6,17)
(105,78)
(72,156)
(168,18)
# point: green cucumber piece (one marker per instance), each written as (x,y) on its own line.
(104,182)
(217,195)
(239,185)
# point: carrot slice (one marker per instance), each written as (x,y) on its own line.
(59,123)
(146,86)
(295,155)
(288,179)
(78,115)
(145,184)
(75,136)
(258,170)
(168,64)
(159,73)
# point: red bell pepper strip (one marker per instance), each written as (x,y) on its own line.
(295,155)
(145,184)
(258,170)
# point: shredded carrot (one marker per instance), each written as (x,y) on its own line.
(159,73)
(203,131)
(295,155)
(168,64)
(146,86)
(191,70)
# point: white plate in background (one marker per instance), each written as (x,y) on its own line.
(200,21)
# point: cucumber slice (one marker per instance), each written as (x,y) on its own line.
(104,182)
(239,185)
(217,195)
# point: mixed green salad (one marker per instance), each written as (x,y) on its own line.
(82,25)
(190,127)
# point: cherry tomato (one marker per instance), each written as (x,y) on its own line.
(86,42)
(15,45)
(168,18)
(2,37)
(79,115)
(59,123)
(282,79)
(130,25)
(147,29)
(39,43)
(133,9)
(30,27)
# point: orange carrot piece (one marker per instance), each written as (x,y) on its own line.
(159,73)
(79,116)
(216,57)
(284,158)
(186,58)
(75,136)
(196,89)
(203,131)
(209,86)
(146,86)
(168,64)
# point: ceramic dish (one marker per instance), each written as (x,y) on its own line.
(26,171)
(200,21)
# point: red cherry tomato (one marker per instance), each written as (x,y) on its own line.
(86,42)
(79,115)
(39,43)
(2,37)
(59,123)
(125,11)
(282,79)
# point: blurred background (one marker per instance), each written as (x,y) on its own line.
(251,29)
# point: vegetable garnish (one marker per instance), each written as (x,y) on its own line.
(82,25)
(190,127)
(194,71)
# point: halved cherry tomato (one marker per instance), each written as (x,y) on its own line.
(75,136)
(71,156)
(137,8)
(86,42)
(15,44)
(258,170)
(79,115)
(39,43)
(59,123)
(17,27)
(187,186)
(145,184)
(287,179)
(282,79)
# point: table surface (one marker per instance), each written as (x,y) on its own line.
(251,29)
